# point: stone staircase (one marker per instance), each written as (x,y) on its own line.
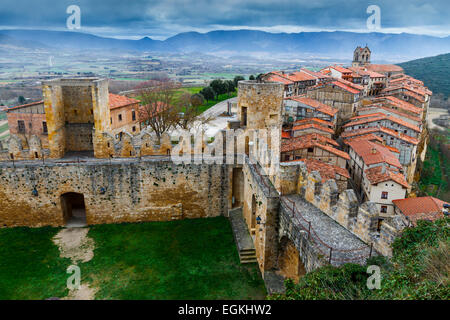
(244,242)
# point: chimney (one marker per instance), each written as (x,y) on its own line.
(374,150)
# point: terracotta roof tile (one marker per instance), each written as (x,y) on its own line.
(327,171)
(401,104)
(321,107)
(384,68)
(380,117)
(314,126)
(374,153)
(421,208)
(325,123)
(309,141)
(379,174)
(117,101)
(26,105)
(363,131)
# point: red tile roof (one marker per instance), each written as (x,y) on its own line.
(318,75)
(276,78)
(384,68)
(319,138)
(379,174)
(399,103)
(363,131)
(421,208)
(325,123)
(368,137)
(117,101)
(380,117)
(300,76)
(351,84)
(373,153)
(26,105)
(390,110)
(321,107)
(327,171)
(341,69)
(345,87)
(309,141)
(314,126)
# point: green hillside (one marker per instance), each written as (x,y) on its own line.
(434,71)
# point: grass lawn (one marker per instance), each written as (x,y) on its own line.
(187,259)
(30,267)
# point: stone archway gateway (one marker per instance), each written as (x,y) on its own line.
(289,260)
(74,209)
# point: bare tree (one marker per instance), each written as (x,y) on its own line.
(157,110)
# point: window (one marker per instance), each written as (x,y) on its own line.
(110,119)
(21,126)
(310,149)
(44,127)
(134,129)
(383,209)
(120,117)
(384,195)
(133,115)
(30,125)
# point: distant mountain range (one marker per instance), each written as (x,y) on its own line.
(433,71)
(339,45)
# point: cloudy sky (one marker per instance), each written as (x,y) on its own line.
(160,19)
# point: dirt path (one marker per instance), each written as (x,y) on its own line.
(73,243)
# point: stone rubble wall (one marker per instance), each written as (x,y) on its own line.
(124,191)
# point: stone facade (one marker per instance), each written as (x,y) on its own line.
(260,105)
(124,191)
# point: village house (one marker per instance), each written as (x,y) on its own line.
(295,82)
(382,120)
(339,94)
(388,70)
(366,154)
(373,82)
(124,114)
(338,72)
(311,127)
(27,120)
(313,146)
(397,104)
(382,185)
(301,107)
(327,172)
(420,208)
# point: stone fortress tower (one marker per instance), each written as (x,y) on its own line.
(260,104)
(76,109)
(361,57)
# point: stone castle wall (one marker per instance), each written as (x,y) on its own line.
(122,191)
(362,220)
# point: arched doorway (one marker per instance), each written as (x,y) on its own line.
(74,209)
(289,261)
